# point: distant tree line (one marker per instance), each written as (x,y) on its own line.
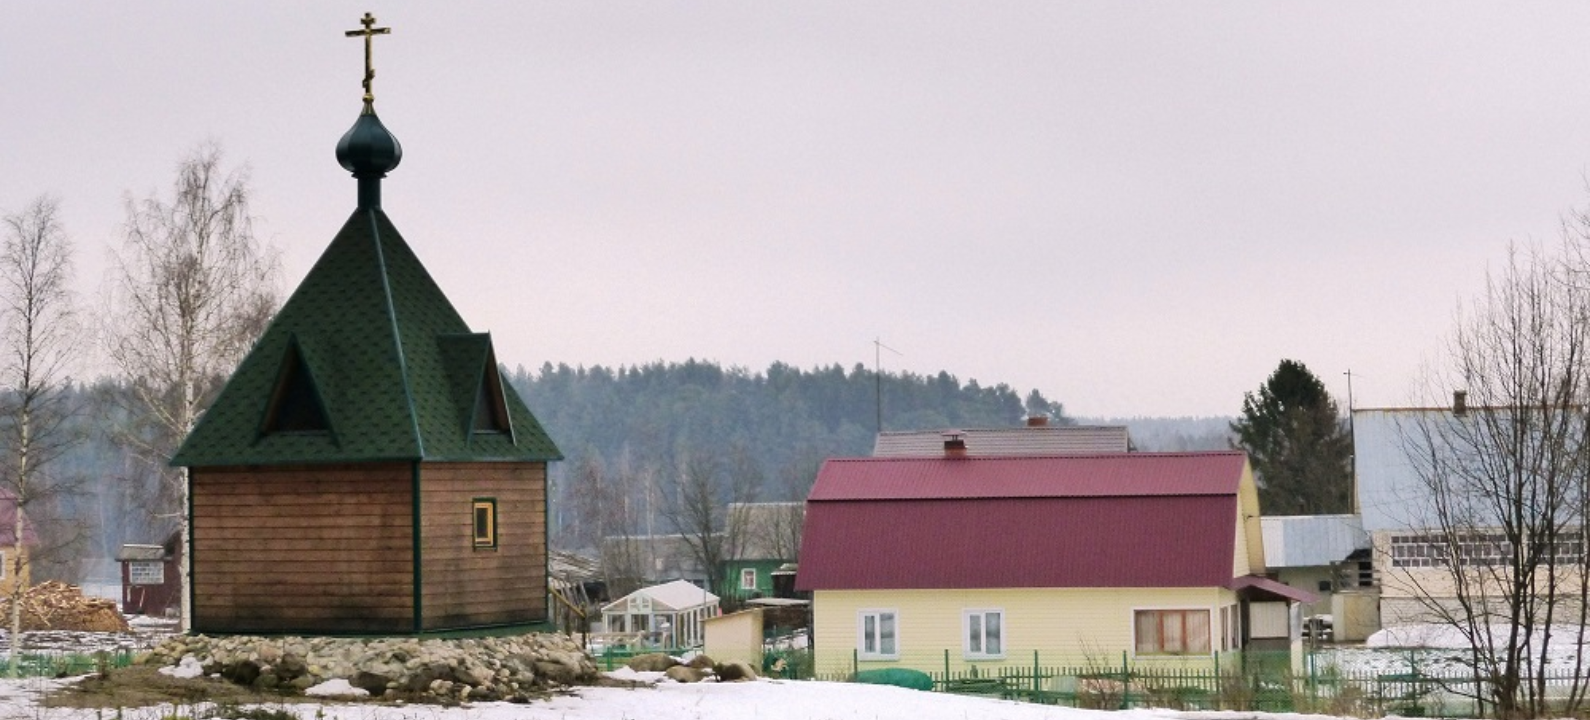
(649,444)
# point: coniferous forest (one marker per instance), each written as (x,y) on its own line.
(631,435)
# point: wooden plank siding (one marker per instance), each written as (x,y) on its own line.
(465,586)
(303,549)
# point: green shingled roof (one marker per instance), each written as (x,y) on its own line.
(396,371)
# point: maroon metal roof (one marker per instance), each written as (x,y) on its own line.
(1110,475)
(1124,520)
(1271,587)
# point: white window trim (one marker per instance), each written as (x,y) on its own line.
(1214,614)
(966,633)
(748,573)
(5,565)
(861,634)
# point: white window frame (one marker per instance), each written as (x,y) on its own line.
(878,616)
(5,565)
(1210,616)
(974,633)
(132,572)
(747,574)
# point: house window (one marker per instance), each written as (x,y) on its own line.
(985,634)
(485,522)
(748,579)
(1172,632)
(878,635)
(146,572)
(1230,628)
(4,566)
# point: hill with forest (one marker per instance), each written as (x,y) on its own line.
(630,433)
(632,436)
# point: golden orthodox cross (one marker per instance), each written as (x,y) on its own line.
(368,33)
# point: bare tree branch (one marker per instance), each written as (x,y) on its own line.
(1504,537)
(38,340)
(192,289)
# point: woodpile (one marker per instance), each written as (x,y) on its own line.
(55,605)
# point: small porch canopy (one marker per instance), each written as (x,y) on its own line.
(1262,589)
(667,615)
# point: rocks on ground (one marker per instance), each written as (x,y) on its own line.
(514,668)
(697,669)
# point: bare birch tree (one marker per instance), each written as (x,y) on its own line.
(39,338)
(1505,478)
(191,291)
(697,506)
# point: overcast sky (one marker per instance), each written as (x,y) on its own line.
(1136,208)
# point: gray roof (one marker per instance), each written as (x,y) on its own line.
(1391,493)
(983,442)
(137,553)
(657,556)
(1311,540)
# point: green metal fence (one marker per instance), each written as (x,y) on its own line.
(64,664)
(1250,681)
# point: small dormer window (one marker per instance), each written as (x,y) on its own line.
(491,414)
(295,402)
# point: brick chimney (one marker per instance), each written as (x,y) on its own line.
(954,444)
(1460,402)
(1037,421)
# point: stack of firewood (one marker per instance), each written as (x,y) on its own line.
(55,605)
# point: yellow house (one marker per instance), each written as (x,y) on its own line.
(10,549)
(955,562)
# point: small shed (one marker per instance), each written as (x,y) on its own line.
(151,577)
(736,637)
(666,615)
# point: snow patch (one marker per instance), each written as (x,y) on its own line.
(336,687)
(187,667)
(1450,637)
(628,675)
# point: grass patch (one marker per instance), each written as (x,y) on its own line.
(143,686)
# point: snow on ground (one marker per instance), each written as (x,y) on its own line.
(1428,649)
(1395,651)
(146,633)
(759,700)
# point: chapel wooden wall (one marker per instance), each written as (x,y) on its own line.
(468,587)
(303,549)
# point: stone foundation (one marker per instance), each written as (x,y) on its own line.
(495,668)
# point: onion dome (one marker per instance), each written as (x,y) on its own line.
(368,149)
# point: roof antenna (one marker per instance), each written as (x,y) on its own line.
(877,373)
(1352,442)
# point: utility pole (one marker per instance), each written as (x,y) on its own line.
(877,373)
(1352,440)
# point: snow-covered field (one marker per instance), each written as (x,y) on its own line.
(759,700)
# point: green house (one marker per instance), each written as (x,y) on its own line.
(366,469)
(767,536)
